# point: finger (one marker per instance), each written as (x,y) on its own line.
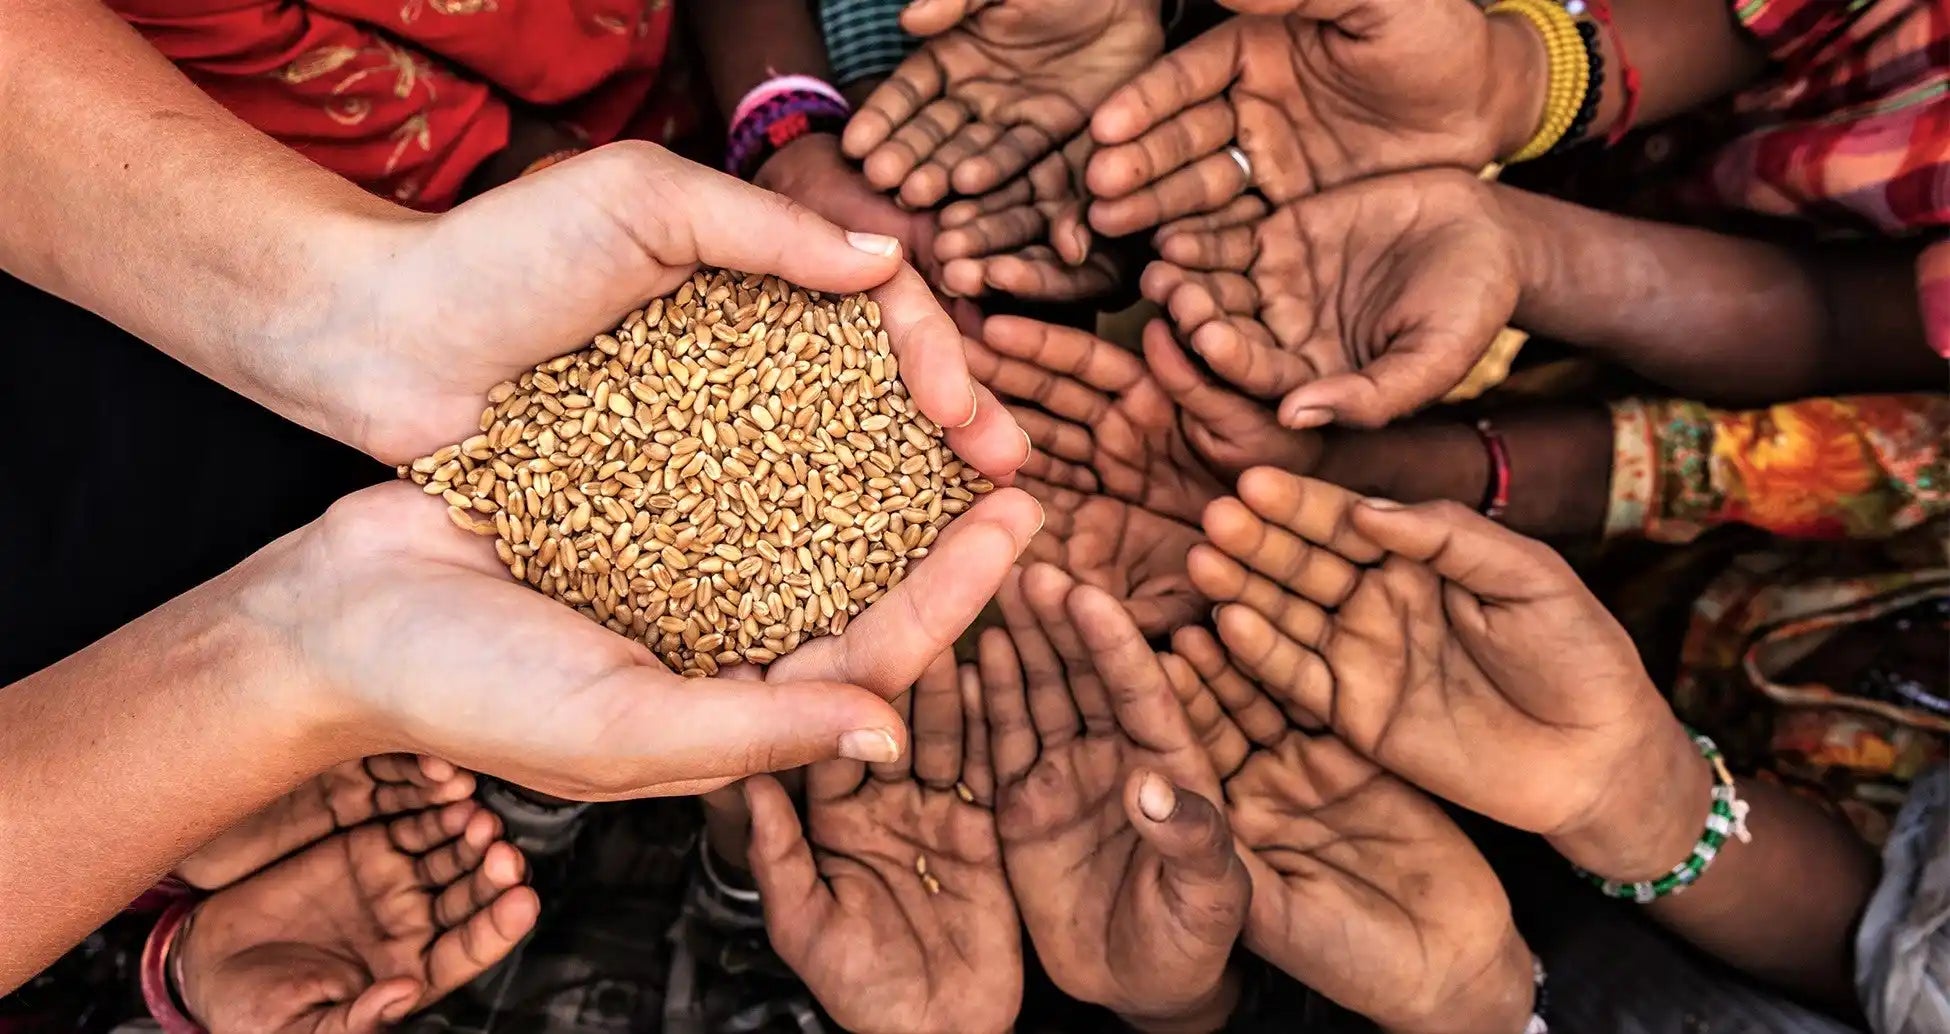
(797,902)
(655,734)
(1058,438)
(1225,746)
(1065,350)
(405,768)
(445,864)
(928,346)
(423,831)
(1242,351)
(1240,211)
(1198,297)
(1039,273)
(1317,511)
(1227,414)
(1293,674)
(740,226)
(1013,743)
(1206,185)
(992,234)
(933,179)
(914,83)
(892,642)
(977,772)
(932,17)
(502,867)
(1416,370)
(927,185)
(462,954)
(901,769)
(398,798)
(1197,131)
(1052,707)
(1046,468)
(1195,72)
(1224,580)
(1146,708)
(965,278)
(1299,566)
(1258,717)
(1020,146)
(1017,193)
(937,725)
(1046,589)
(1463,546)
(992,442)
(378,1007)
(1229,249)
(1157,615)
(1207,881)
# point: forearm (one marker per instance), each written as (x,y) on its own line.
(747,42)
(127,191)
(1721,318)
(1688,52)
(120,760)
(1782,907)
(1560,461)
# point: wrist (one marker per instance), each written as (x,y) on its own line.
(1651,813)
(1209,1012)
(1499,999)
(791,167)
(1519,78)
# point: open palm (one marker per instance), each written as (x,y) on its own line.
(891,903)
(995,88)
(1358,305)
(1444,647)
(1362,888)
(1135,555)
(1331,93)
(1124,911)
(360,929)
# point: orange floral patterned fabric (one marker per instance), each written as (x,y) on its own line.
(407,97)
(1857,467)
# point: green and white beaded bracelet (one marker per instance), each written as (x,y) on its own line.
(1726,817)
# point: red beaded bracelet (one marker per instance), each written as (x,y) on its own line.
(1496,495)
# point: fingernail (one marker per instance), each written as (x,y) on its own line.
(1215,614)
(1308,416)
(1042,518)
(1027,445)
(1381,504)
(873,243)
(1081,238)
(1156,799)
(869,745)
(974,405)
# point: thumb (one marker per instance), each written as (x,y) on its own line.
(379,1007)
(788,882)
(932,17)
(736,225)
(1187,830)
(1484,558)
(1416,370)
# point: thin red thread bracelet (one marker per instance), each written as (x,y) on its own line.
(1628,73)
(1496,495)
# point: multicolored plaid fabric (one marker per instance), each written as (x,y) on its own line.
(863,37)
(1852,129)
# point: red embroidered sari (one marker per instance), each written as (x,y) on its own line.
(407,97)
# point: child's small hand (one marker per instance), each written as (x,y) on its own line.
(1446,648)
(890,902)
(1362,888)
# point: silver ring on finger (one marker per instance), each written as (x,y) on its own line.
(1245,164)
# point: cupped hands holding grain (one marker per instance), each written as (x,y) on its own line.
(449,306)
(735,470)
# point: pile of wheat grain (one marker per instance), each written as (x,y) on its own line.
(734,470)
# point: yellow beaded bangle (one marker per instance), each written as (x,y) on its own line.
(1570,71)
